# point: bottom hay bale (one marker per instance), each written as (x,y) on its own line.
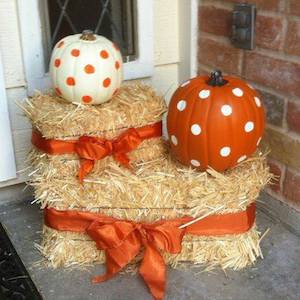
(235,251)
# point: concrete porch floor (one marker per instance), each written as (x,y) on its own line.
(275,277)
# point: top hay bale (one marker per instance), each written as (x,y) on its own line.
(134,106)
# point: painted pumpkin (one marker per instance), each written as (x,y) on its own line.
(86,68)
(214,121)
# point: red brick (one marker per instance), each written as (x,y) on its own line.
(293,116)
(273,5)
(274,107)
(202,71)
(215,20)
(278,74)
(294,7)
(292,186)
(283,146)
(278,170)
(269,32)
(292,45)
(219,55)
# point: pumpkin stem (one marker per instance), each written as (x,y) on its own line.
(216,79)
(87,35)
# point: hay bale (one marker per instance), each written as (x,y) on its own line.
(69,249)
(157,188)
(153,185)
(134,106)
(67,165)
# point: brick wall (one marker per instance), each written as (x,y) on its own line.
(273,68)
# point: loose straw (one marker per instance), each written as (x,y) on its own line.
(200,218)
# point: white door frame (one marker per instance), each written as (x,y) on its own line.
(7,156)
(188,36)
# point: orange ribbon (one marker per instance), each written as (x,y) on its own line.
(122,240)
(90,149)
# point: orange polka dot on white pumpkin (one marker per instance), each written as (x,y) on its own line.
(258,141)
(181,105)
(185,83)
(249,126)
(225,151)
(257,101)
(195,163)
(174,140)
(226,110)
(204,94)
(242,158)
(195,129)
(238,92)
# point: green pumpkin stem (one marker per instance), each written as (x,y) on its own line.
(216,79)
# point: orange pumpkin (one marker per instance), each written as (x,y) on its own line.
(215,121)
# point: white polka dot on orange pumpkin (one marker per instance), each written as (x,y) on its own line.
(204,94)
(195,163)
(249,126)
(181,105)
(238,92)
(174,140)
(225,151)
(242,158)
(195,129)
(185,83)
(226,110)
(257,101)
(258,141)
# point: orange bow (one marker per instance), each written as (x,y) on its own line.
(122,240)
(90,149)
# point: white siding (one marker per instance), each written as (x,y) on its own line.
(10,44)
(165,78)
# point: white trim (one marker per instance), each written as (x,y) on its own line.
(33,53)
(194,38)
(7,157)
(31,36)
(144,65)
(188,33)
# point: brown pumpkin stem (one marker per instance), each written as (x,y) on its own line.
(216,79)
(87,35)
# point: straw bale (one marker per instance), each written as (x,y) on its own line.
(156,188)
(134,106)
(68,249)
(159,184)
(67,165)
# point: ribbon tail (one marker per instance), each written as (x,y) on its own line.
(86,166)
(123,159)
(153,271)
(118,258)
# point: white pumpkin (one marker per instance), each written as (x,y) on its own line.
(86,68)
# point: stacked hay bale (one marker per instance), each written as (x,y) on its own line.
(155,188)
